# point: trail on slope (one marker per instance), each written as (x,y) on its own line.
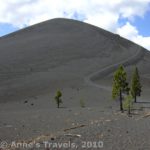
(111,68)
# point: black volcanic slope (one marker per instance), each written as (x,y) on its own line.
(54,54)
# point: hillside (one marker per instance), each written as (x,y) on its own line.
(55,54)
(79,59)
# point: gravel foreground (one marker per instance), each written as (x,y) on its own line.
(116,132)
(111,130)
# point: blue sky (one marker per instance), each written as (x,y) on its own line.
(6,28)
(143,24)
(128,18)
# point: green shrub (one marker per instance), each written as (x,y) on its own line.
(82,103)
(128,103)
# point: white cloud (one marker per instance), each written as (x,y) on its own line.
(26,12)
(102,13)
(101,21)
(130,32)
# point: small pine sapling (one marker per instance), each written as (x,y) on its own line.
(58,98)
(128,103)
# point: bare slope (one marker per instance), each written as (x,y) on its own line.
(55,54)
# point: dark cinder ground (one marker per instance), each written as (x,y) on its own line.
(79,59)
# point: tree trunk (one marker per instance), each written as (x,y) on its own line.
(121,106)
(58,104)
(135,98)
(129,111)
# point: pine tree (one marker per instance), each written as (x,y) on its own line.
(135,84)
(120,85)
(128,103)
(58,98)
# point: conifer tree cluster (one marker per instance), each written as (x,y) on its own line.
(122,90)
